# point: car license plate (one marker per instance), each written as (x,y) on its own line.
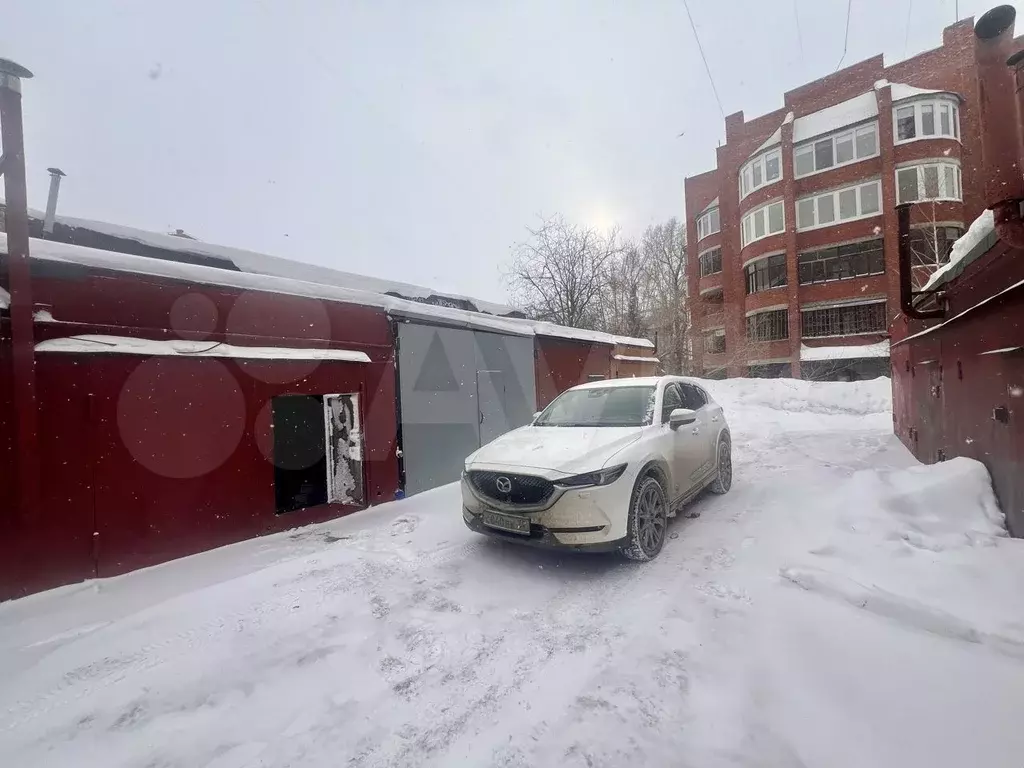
(510,523)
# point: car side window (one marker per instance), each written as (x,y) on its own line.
(692,397)
(670,401)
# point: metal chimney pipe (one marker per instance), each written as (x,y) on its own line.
(51,201)
(19,281)
(1000,134)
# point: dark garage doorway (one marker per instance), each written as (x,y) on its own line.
(300,452)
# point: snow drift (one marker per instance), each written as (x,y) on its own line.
(799,396)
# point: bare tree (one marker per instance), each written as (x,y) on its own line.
(627,303)
(930,243)
(559,274)
(664,249)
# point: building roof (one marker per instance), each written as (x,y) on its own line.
(185,247)
(845,113)
(849,112)
(48,250)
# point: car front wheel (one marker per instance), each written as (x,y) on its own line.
(723,482)
(648,520)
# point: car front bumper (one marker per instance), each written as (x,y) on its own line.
(593,518)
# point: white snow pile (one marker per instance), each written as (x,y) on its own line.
(5,298)
(797,396)
(980,228)
(841,606)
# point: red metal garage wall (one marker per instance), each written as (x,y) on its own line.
(564,363)
(162,457)
(960,376)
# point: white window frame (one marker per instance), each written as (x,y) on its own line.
(835,138)
(704,223)
(747,224)
(704,253)
(936,102)
(941,165)
(746,179)
(834,194)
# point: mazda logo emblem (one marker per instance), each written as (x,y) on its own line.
(503,484)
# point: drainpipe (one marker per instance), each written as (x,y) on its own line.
(51,200)
(906,287)
(1000,131)
(23,363)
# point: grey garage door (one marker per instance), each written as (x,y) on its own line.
(459,389)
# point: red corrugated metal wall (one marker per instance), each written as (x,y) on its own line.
(145,459)
(966,380)
(564,363)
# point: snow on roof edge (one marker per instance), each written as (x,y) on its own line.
(771,141)
(50,250)
(835,117)
(845,352)
(636,359)
(975,237)
(129,345)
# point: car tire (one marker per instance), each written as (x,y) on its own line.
(648,520)
(723,479)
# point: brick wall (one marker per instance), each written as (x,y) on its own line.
(949,67)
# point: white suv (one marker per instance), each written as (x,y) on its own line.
(602,467)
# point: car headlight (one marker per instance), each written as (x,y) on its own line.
(600,477)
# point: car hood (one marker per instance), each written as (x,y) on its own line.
(570,450)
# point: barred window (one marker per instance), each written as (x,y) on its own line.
(768,326)
(844,320)
(841,262)
(714,343)
(710,262)
(766,273)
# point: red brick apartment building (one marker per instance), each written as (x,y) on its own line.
(794,268)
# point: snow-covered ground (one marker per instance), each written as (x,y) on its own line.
(842,606)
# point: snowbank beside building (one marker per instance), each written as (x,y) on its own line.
(798,396)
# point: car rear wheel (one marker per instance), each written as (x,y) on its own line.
(648,520)
(723,482)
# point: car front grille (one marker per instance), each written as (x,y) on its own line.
(524,489)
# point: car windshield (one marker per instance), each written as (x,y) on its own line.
(600,407)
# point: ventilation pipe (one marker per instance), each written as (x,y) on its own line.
(51,201)
(906,286)
(1000,129)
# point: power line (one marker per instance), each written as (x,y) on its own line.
(846,36)
(705,58)
(906,36)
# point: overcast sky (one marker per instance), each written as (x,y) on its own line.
(412,140)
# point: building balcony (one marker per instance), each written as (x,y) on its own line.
(710,284)
(768,298)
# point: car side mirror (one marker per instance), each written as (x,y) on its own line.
(680,417)
(538,413)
